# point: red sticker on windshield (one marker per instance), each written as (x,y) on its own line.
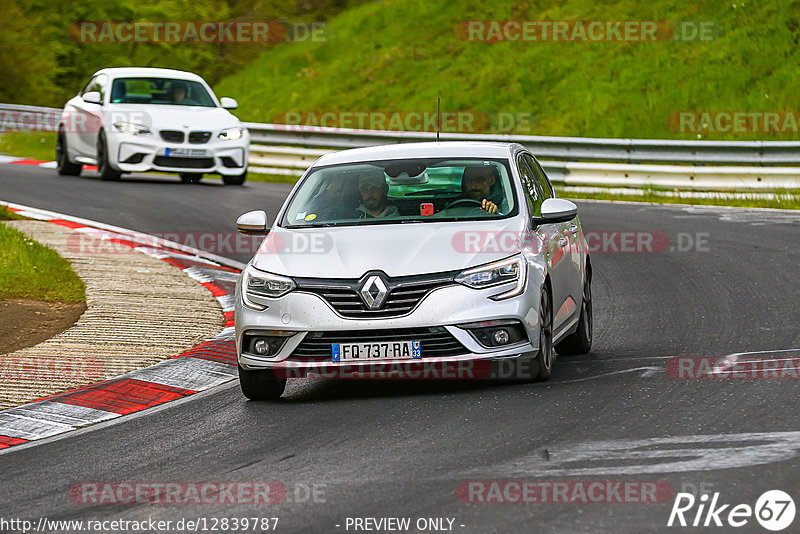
(426,208)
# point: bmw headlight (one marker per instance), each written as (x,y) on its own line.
(231,134)
(513,269)
(130,128)
(261,284)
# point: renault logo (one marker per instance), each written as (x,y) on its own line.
(373,292)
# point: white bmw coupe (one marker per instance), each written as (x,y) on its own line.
(146,119)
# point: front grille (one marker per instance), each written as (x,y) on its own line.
(199,138)
(435,342)
(404,294)
(172,136)
(183,163)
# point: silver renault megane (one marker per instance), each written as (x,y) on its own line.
(414,260)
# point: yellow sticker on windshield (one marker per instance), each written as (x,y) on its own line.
(311,216)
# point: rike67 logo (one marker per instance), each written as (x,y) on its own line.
(774,510)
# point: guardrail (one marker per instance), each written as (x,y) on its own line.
(754,153)
(18,117)
(707,165)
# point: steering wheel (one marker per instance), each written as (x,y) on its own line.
(478,203)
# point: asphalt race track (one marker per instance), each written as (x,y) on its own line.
(401,448)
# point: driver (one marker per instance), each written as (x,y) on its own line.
(178,92)
(477,184)
(374,202)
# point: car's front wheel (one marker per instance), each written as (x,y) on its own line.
(64,166)
(107,172)
(543,364)
(580,342)
(261,384)
(191,177)
(237,179)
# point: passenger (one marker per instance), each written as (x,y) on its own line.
(374,202)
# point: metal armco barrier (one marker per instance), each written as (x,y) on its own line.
(703,165)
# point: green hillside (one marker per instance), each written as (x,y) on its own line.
(400,55)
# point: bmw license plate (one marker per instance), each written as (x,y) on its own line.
(185,152)
(382,350)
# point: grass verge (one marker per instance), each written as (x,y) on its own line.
(786,201)
(29,270)
(33,145)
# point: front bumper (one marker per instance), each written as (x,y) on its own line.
(142,154)
(445,307)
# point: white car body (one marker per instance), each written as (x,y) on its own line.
(132,134)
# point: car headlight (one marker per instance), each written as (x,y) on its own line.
(262,284)
(130,128)
(513,269)
(231,134)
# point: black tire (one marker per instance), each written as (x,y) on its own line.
(261,385)
(580,341)
(191,177)
(543,364)
(235,180)
(107,172)
(64,166)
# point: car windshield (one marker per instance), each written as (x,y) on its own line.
(400,191)
(164,91)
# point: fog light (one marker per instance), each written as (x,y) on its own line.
(497,332)
(261,346)
(500,336)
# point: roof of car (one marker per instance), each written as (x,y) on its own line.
(443,149)
(118,72)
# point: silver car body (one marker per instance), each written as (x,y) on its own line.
(556,252)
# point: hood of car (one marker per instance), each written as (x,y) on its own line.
(395,249)
(166,117)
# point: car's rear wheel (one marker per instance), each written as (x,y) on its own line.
(261,384)
(63,165)
(580,342)
(236,179)
(543,364)
(107,172)
(191,177)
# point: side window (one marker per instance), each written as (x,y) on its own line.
(541,177)
(98,83)
(87,86)
(530,184)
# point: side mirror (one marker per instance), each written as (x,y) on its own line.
(556,210)
(93,97)
(253,223)
(228,103)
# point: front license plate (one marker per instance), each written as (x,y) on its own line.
(185,152)
(382,350)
